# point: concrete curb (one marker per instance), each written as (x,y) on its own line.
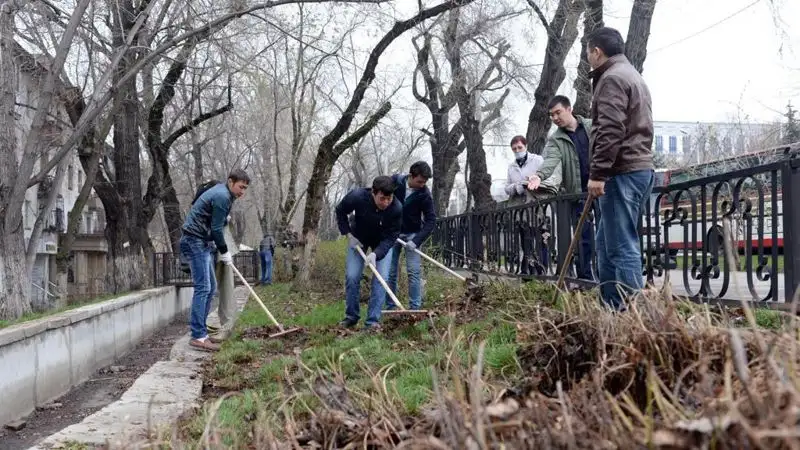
(158,398)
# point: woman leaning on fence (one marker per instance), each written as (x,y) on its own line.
(520,172)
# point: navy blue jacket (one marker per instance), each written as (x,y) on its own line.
(419,215)
(375,229)
(207,217)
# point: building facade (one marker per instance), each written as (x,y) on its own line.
(86,268)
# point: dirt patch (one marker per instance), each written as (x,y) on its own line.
(104,388)
(297,338)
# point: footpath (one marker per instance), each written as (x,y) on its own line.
(165,392)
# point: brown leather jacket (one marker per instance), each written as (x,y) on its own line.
(622,120)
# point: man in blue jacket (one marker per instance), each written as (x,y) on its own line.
(419,218)
(378,216)
(202,230)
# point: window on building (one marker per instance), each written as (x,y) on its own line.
(673,144)
(659,144)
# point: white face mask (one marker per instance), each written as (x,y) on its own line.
(520,156)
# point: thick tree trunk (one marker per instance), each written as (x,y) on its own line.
(445,167)
(479,182)
(320,174)
(561,34)
(15,282)
(126,238)
(592,20)
(639,32)
(91,162)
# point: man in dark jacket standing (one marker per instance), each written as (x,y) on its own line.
(378,217)
(419,218)
(567,152)
(203,228)
(621,167)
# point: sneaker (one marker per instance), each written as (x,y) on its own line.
(216,339)
(212,328)
(348,323)
(204,345)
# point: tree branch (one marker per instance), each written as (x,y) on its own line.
(363,129)
(199,120)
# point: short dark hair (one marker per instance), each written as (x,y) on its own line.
(239,175)
(559,100)
(520,139)
(608,40)
(383,184)
(421,169)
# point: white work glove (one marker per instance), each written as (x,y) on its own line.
(410,245)
(226,258)
(371,259)
(353,241)
(519,188)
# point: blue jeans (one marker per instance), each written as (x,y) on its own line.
(414,269)
(266,267)
(199,255)
(619,253)
(583,254)
(354,267)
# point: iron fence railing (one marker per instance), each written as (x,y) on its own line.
(713,238)
(167,268)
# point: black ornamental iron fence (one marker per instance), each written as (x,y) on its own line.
(720,238)
(167,268)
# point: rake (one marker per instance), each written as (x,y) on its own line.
(469,282)
(283,331)
(562,275)
(401,310)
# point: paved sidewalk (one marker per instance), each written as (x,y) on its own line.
(156,399)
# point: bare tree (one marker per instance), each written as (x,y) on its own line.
(332,145)
(592,20)
(469,82)
(14,274)
(562,31)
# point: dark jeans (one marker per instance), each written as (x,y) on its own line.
(199,255)
(266,267)
(619,253)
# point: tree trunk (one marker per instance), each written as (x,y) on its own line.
(172,213)
(561,34)
(479,182)
(592,20)
(74,217)
(323,165)
(639,32)
(445,167)
(15,282)
(126,238)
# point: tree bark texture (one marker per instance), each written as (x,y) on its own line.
(592,20)
(562,31)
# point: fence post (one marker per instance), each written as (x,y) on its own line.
(790,175)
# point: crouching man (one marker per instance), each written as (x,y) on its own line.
(378,217)
(204,227)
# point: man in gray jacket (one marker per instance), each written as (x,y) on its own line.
(621,163)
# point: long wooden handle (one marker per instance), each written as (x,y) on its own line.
(578,229)
(435,262)
(380,279)
(253,293)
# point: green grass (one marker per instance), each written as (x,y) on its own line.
(268,373)
(276,379)
(42,314)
